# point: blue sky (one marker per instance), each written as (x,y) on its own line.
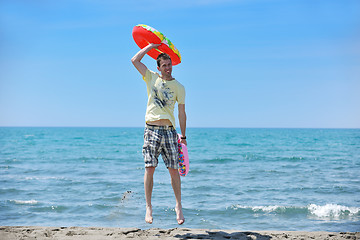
(258,63)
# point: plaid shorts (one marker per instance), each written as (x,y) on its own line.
(160,140)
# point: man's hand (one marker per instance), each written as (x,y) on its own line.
(183,141)
(154,45)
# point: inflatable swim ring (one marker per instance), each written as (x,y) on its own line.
(183,158)
(143,35)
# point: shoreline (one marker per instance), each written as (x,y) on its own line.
(85,233)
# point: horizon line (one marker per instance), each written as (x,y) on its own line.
(179,127)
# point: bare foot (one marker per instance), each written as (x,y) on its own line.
(179,215)
(148,216)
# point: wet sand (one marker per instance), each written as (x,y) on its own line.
(98,233)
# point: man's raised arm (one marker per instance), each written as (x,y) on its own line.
(136,60)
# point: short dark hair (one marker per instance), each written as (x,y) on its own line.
(162,56)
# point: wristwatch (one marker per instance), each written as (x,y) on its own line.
(183,137)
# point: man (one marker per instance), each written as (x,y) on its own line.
(160,136)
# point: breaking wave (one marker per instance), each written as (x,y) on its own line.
(326,212)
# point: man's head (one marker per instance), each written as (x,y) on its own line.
(164,66)
(162,56)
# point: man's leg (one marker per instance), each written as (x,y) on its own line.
(176,185)
(148,185)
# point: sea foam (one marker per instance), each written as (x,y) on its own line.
(332,211)
(26,202)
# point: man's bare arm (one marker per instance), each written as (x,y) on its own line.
(182,121)
(136,60)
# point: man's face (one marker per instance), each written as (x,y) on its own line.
(165,68)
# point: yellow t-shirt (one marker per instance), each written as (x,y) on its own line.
(162,96)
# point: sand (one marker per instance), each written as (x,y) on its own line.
(99,233)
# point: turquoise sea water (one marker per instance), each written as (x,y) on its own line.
(245,179)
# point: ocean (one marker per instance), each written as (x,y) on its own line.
(240,178)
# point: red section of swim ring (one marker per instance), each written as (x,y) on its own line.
(143,37)
(174,57)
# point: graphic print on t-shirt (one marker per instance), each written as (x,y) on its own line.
(163,95)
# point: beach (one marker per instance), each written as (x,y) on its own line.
(88,233)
